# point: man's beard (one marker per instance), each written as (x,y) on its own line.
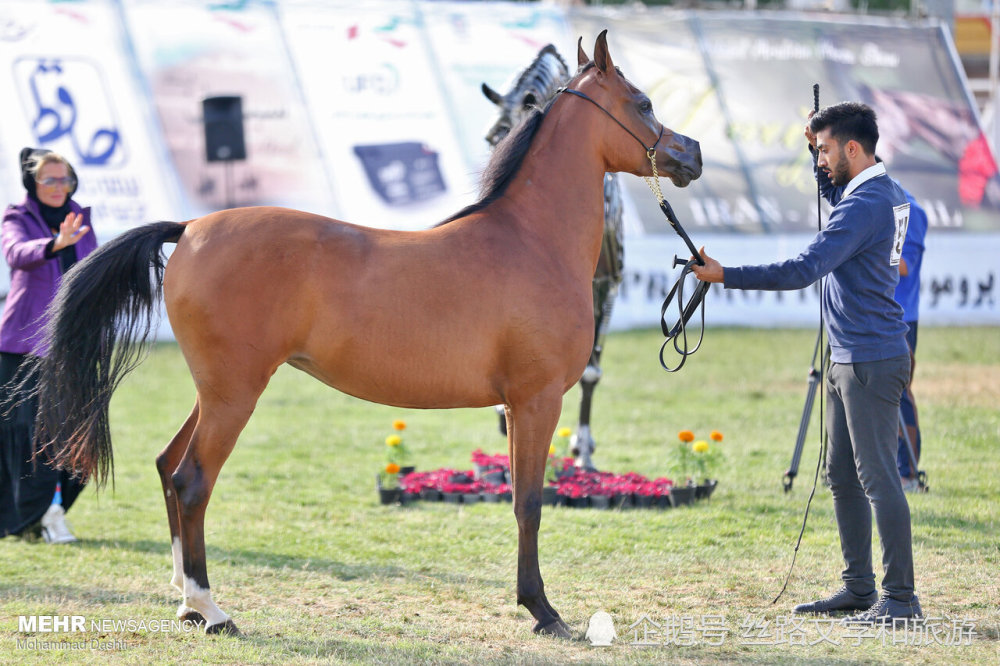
(841,176)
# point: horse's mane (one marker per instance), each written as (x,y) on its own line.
(510,152)
(505,162)
(542,76)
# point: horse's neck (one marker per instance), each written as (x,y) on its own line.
(561,183)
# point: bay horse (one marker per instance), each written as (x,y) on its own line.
(493,307)
(534,86)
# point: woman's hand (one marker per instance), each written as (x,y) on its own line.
(71,230)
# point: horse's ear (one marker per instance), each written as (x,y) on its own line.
(581,57)
(492,95)
(601,56)
(529,101)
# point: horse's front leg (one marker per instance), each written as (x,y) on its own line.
(529,429)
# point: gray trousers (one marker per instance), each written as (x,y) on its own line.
(863,424)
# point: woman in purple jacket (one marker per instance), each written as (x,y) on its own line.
(42,238)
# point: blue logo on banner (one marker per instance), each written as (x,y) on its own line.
(67,105)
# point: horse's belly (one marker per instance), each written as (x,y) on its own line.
(406,378)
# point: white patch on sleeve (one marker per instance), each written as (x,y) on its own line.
(902,219)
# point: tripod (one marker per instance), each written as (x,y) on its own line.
(814,379)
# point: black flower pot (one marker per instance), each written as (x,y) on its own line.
(430,494)
(452,498)
(491,497)
(409,469)
(644,501)
(663,502)
(578,502)
(706,489)
(408,498)
(389,495)
(471,498)
(622,501)
(681,495)
(496,477)
(600,501)
(550,496)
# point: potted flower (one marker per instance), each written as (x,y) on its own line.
(387,482)
(398,452)
(691,460)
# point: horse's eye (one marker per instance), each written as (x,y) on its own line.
(645,106)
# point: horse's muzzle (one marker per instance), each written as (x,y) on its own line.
(683,160)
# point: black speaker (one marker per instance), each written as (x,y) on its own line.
(223,118)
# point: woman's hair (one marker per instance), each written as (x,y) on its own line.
(38,159)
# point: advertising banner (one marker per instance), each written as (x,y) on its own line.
(67,86)
(189,51)
(375,100)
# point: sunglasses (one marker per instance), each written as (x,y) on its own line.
(67,182)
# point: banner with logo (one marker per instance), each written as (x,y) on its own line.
(70,89)
(374,97)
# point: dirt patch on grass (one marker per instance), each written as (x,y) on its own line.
(956,384)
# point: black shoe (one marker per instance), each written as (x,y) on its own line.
(842,600)
(887,610)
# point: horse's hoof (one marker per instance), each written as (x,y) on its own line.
(193,616)
(227,628)
(556,628)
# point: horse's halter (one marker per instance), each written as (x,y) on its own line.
(654,182)
(698,297)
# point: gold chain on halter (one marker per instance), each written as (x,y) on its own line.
(654,182)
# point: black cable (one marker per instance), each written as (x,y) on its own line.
(824,358)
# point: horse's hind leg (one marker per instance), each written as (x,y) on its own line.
(166,463)
(219,424)
(530,429)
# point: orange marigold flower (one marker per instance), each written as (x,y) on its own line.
(716,435)
(392,468)
(399,424)
(686,436)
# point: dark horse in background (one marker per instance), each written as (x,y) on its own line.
(507,281)
(533,88)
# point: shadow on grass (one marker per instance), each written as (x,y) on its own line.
(282,561)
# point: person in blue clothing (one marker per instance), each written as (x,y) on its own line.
(858,251)
(908,296)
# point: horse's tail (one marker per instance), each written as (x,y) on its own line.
(97,332)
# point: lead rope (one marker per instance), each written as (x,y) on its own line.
(678,333)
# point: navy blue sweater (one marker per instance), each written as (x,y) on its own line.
(859,249)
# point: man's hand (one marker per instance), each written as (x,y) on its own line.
(71,230)
(810,137)
(712,270)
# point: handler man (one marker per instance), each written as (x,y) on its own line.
(859,249)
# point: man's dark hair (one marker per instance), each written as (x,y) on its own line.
(848,121)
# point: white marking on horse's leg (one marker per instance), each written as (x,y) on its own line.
(178,578)
(200,599)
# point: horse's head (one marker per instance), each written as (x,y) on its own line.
(630,129)
(532,88)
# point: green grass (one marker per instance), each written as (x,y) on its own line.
(312,569)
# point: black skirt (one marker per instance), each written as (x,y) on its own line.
(27,486)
